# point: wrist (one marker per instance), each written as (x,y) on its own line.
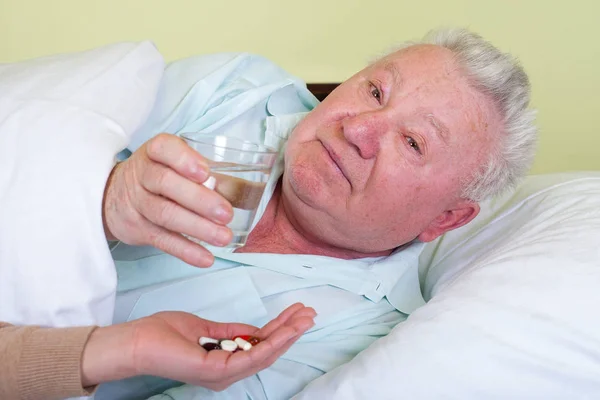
(106,203)
(107,355)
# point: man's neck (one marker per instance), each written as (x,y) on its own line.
(276,233)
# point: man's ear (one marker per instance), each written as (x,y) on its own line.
(461,214)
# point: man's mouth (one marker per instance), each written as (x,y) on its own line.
(336,160)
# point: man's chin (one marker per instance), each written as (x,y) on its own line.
(303,188)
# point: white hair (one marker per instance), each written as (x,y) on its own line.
(499,76)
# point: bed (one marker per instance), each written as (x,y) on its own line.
(511,297)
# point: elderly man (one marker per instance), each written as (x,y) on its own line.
(396,156)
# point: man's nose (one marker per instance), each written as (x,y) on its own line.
(365,131)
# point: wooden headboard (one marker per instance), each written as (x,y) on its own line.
(321,90)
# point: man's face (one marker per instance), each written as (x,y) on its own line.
(380,161)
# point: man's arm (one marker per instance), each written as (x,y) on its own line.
(42,363)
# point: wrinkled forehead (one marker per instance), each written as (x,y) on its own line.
(420,74)
(435,76)
(429,78)
(432,58)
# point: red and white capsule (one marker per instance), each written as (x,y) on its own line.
(253,340)
(242,343)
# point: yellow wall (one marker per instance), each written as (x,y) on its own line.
(327,40)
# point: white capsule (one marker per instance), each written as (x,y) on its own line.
(203,340)
(228,345)
(210,182)
(244,345)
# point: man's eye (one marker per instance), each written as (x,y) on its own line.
(413,143)
(375,93)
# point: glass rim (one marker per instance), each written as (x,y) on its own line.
(267,149)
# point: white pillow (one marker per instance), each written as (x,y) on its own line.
(512,310)
(62,121)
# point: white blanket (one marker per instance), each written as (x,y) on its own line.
(62,121)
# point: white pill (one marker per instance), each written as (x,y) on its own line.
(244,345)
(210,182)
(228,345)
(203,340)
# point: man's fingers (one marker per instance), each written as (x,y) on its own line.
(174,218)
(180,247)
(173,152)
(157,195)
(207,203)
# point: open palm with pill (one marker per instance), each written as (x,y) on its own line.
(168,344)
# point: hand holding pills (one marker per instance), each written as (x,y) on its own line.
(180,346)
(158,193)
